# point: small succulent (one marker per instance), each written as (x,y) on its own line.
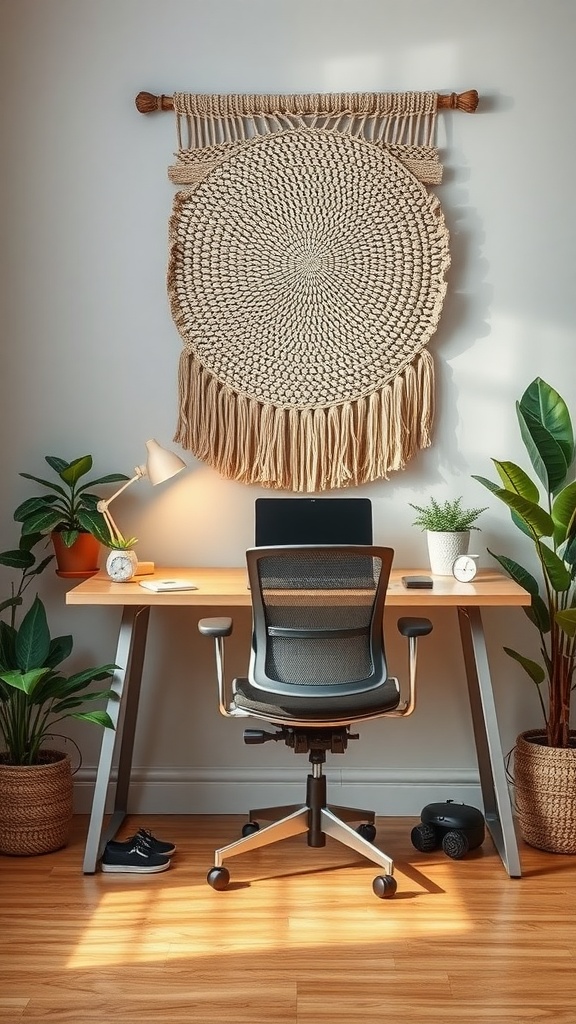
(121,543)
(445,517)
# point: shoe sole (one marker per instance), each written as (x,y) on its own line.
(133,869)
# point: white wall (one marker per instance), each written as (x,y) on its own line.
(89,353)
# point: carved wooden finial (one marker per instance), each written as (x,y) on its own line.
(147,102)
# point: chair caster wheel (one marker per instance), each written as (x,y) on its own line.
(249,828)
(455,845)
(424,838)
(368,831)
(384,886)
(218,878)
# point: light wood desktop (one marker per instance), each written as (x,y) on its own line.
(222,587)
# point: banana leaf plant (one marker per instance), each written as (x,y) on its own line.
(547,516)
(34,694)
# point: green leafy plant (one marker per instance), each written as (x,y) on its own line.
(121,543)
(34,694)
(446,517)
(68,507)
(550,524)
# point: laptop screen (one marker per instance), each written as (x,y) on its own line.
(279,521)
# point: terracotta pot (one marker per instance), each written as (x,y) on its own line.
(35,805)
(545,788)
(80,560)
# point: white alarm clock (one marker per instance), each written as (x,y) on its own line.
(464,568)
(121,565)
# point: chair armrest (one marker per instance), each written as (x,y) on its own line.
(215,627)
(414,627)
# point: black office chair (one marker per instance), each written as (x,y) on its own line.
(317,665)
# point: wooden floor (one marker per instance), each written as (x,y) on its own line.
(298,938)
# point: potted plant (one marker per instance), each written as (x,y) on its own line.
(35,695)
(545,758)
(122,562)
(447,527)
(67,511)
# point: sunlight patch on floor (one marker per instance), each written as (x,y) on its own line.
(168,922)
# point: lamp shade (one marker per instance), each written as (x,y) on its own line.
(161,464)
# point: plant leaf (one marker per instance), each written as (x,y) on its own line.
(547,433)
(43,521)
(564,513)
(17,559)
(95,524)
(99,717)
(46,483)
(25,681)
(33,638)
(75,469)
(56,463)
(534,670)
(567,621)
(535,517)
(543,403)
(538,611)
(60,649)
(515,479)
(559,576)
(76,701)
(111,478)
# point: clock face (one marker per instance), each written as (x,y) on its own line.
(464,568)
(120,567)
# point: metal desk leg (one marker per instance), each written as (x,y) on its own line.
(493,782)
(123,712)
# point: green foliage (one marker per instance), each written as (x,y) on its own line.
(448,516)
(121,543)
(550,523)
(68,506)
(34,694)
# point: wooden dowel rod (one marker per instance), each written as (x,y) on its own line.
(147,102)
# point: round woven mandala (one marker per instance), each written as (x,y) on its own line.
(307,269)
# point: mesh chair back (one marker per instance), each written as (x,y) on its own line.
(318,618)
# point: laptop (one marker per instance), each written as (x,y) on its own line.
(296,521)
(312,521)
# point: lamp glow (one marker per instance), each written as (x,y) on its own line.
(160,466)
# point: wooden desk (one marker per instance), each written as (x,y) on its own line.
(228,588)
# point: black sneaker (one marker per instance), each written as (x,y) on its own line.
(137,859)
(146,838)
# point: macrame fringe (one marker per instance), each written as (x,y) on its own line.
(311,449)
(211,127)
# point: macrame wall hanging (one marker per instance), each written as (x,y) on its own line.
(306,276)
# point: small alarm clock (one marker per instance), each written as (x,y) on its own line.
(464,568)
(121,565)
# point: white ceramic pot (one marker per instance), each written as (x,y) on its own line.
(444,547)
(121,565)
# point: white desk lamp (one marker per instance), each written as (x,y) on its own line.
(160,466)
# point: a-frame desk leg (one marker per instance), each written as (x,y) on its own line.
(126,684)
(493,781)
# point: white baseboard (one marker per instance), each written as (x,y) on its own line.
(235,791)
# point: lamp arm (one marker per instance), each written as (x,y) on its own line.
(102,506)
(114,531)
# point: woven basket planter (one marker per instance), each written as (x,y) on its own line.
(35,805)
(545,785)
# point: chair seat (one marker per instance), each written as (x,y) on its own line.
(345,709)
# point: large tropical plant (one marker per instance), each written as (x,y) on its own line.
(34,693)
(549,521)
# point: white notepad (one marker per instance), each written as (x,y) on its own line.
(165,586)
